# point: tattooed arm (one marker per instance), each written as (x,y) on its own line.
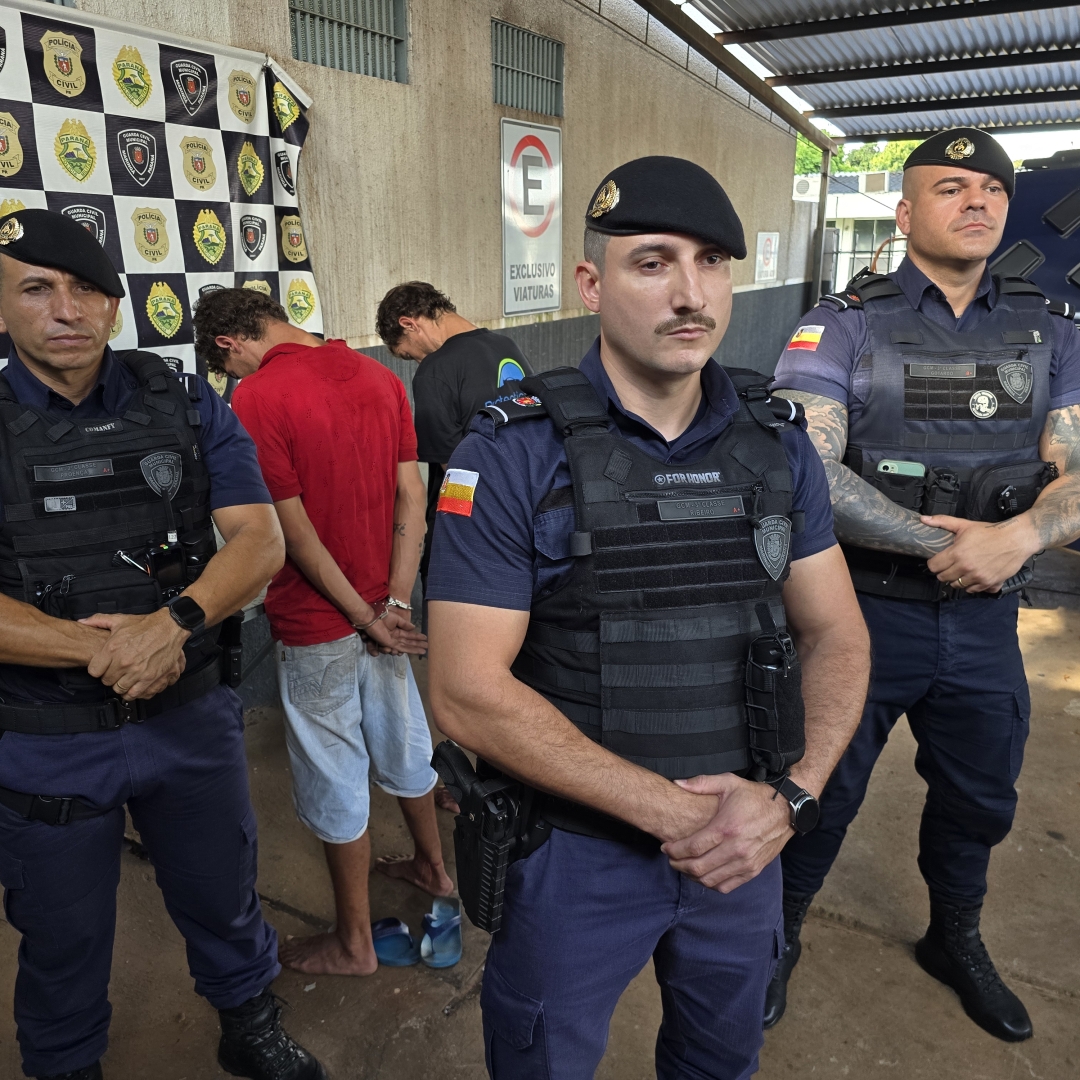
(863,515)
(985,555)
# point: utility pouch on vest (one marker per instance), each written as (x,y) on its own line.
(492,830)
(907,491)
(942,492)
(78,596)
(998,492)
(774,701)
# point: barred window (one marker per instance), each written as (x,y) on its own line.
(527,69)
(366,37)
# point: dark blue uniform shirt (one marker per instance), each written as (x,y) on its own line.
(506,552)
(825,367)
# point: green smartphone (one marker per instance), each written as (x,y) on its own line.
(902,468)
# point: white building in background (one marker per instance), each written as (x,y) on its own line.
(860,217)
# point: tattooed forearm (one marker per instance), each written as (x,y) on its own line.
(1056,513)
(863,515)
(399,528)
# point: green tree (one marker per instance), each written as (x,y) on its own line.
(807,157)
(867,158)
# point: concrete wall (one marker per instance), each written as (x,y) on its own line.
(401,181)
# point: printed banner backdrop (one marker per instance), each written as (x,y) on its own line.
(181,161)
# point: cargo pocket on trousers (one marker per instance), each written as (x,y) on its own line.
(513,1029)
(1021,718)
(249,859)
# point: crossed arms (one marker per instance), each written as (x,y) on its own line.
(983,554)
(721,830)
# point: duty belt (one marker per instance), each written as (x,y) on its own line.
(108,715)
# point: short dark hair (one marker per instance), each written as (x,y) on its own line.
(412,300)
(595,247)
(237,313)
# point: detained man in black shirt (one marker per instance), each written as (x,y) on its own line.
(462,367)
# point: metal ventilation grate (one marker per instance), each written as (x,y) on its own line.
(526,69)
(366,37)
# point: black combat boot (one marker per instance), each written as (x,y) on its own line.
(254,1044)
(953,952)
(91,1072)
(796,906)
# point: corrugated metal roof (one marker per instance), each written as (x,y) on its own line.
(892,101)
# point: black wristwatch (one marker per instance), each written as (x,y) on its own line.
(187,614)
(805,810)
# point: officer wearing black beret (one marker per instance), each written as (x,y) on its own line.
(111,594)
(946,404)
(631,558)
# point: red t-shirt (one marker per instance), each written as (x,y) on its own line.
(330,425)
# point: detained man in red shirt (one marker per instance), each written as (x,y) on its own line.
(338,452)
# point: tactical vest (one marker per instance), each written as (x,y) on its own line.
(969,407)
(101,516)
(676,571)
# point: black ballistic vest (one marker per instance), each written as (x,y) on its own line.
(969,406)
(78,495)
(676,570)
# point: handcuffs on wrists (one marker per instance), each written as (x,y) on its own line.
(382,609)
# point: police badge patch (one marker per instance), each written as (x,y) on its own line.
(138,152)
(1016,379)
(90,218)
(210,237)
(191,81)
(300,301)
(131,76)
(151,236)
(983,404)
(242,96)
(252,235)
(199,170)
(163,473)
(283,167)
(293,245)
(74,149)
(62,58)
(163,309)
(772,538)
(249,168)
(11,151)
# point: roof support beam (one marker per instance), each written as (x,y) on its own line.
(987,101)
(667,14)
(927,67)
(1002,129)
(938,13)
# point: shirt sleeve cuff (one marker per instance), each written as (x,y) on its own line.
(1065,401)
(280,494)
(809,385)
(812,546)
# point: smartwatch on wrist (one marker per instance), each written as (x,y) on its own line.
(187,614)
(805,810)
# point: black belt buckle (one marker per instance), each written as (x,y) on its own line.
(50,810)
(118,712)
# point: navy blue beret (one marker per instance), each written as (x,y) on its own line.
(666,195)
(966,148)
(46,238)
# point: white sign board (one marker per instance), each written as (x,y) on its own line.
(768,255)
(532,217)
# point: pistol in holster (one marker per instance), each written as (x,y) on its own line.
(498,824)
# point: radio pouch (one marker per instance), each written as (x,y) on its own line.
(942,493)
(774,704)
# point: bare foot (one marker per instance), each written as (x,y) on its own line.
(432,879)
(445,801)
(326,954)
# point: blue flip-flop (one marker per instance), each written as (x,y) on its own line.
(394,945)
(440,946)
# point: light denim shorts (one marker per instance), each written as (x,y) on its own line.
(350,717)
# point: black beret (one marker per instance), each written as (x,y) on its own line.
(46,238)
(666,195)
(966,148)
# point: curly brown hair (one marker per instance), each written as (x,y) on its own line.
(236,313)
(413,300)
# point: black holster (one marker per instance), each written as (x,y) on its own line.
(774,704)
(498,824)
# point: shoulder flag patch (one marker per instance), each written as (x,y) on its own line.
(457,491)
(806,337)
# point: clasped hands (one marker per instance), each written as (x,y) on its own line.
(390,630)
(140,655)
(727,831)
(983,555)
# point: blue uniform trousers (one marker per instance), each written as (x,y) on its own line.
(183,776)
(955,668)
(581,919)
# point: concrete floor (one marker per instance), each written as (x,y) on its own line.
(859,1006)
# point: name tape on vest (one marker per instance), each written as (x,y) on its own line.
(682,509)
(76,470)
(942,371)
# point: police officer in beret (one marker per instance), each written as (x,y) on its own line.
(945,403)
(631,560)
(112,472)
